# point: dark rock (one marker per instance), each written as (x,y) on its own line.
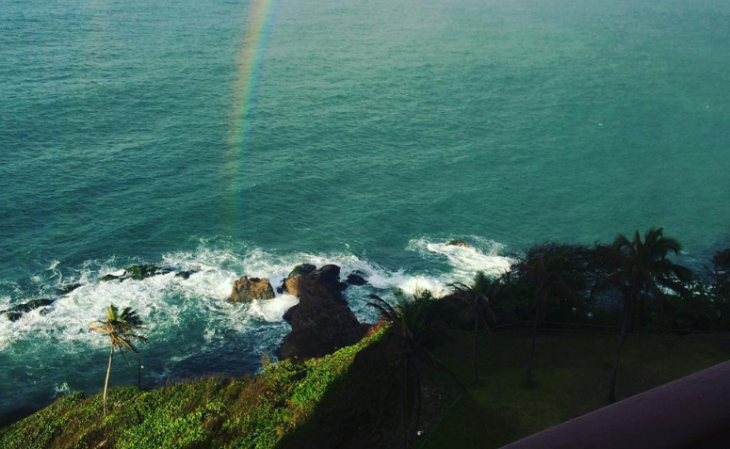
(186,274)
(322,322)
(302,270)
(329,276)
(356,278)
(326,277)
(139,272)
(289,314)
(110,277)
(14,313)
(247,289)
(320,326)
(67,288)
(457,242)
(12,316)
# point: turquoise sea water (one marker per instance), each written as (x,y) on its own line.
(380,129)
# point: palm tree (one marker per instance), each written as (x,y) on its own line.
(547,270)
(475,297)
(119,328)
(408,325)
(642,271)
(720,275)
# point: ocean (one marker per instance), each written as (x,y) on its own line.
(247,136)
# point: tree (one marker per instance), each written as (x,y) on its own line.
(548,271)
(119,327)
(408,326)
(475,297)
(720,275)
(643,269)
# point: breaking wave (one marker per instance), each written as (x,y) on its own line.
(192,328)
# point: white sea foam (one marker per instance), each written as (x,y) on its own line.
(467,261)
(61,390)
(189,320)
(273,310)
(168,303)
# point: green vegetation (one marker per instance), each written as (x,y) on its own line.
(475,297)
(408,329)
(546,272)
(405,379)
(643,268)
(574,371)
(119,327)
(279,408)
(351,395)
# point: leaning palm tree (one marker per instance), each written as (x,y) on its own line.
(548,270)
(120,328)
(642,271)
(475,297)
(409,325)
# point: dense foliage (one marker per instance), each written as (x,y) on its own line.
(274,409)
(371,394)
(590,292)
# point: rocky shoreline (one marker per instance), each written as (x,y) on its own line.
(322,322)
(134,272)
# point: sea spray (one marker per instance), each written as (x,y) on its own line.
(193,329)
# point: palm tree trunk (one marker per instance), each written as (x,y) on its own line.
(611,397)
(532,349)
(108,372)
(404,404)
(474,350)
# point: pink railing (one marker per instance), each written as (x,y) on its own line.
(692,412)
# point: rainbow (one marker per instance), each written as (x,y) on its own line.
(257,30)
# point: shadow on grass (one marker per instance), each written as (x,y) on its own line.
(16,415)
(467,415)
(359,410)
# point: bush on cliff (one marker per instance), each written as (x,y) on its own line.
(280,406)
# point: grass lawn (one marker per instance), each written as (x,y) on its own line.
(349,399)
(571,374)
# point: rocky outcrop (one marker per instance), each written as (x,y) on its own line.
(140,272)
(302,270)
(247,289)
(112,277)
(290,286)
(67,288)
(457,242)
(185,274)
(328,276)
(356,278)
(14,313)
(322,322)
